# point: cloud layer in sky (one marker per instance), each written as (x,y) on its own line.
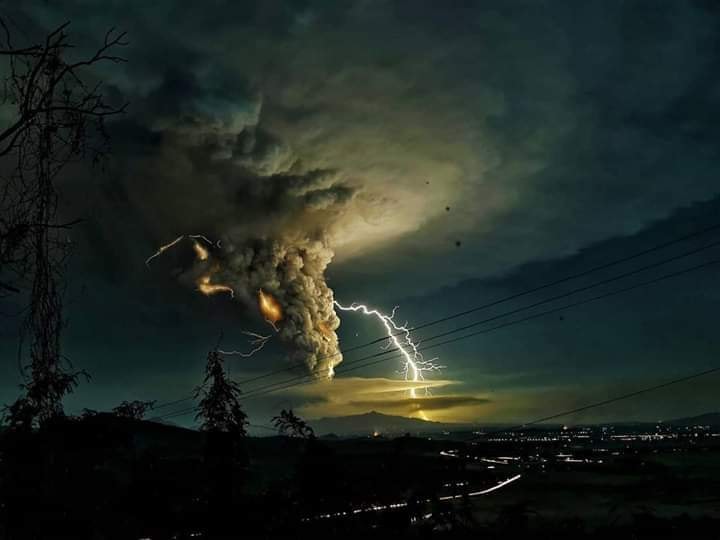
(427,144)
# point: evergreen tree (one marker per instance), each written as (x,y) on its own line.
(220,408)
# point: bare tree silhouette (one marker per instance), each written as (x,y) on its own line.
(291,425)
(59,118)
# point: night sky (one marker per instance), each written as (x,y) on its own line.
(444,154)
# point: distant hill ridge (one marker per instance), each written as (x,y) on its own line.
(707,419)
(374,421)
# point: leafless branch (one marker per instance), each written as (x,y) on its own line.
(59,118)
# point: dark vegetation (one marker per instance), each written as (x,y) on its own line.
(107,476)
(59,118)
(288,423)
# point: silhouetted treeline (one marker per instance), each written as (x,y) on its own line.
(104,476)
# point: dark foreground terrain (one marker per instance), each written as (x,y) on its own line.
(107,477)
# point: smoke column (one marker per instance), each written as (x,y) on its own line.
(292,271)
(216,170)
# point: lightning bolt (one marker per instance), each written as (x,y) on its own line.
(204,285)
(202,254)
(163,249)
(200,250)
(257,342)
(205,238)
(414,365)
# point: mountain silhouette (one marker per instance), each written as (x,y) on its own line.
(375,423)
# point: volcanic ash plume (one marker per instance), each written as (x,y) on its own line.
(276,217)
(290,273)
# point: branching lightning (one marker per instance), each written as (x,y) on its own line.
(269,307)
(414,365)
(200,250)
(204,238)
(163,249)
(257,342)
(202,254)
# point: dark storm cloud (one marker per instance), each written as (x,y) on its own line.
(544,126)
(601,349)
(534,121)
(273,217)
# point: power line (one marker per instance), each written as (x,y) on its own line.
(596,404)
(308,378)
(513,312)
(174,402)
(178,413)
(607,401)
(193,409)
(497,302)
(290,383)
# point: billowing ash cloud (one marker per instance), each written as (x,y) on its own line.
(284,250)
(292,271)
(276,218)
